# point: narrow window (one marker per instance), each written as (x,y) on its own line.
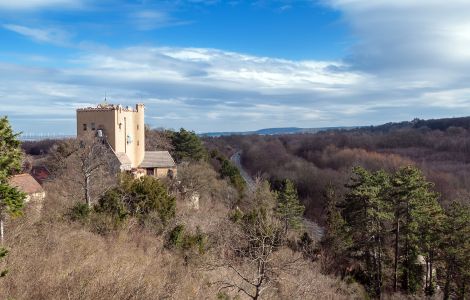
(93,127)
(84,127)
(137,143)
(137,126)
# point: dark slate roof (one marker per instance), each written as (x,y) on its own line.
(26,183)
(157,159)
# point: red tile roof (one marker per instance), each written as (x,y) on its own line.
(26,183)
(41,174)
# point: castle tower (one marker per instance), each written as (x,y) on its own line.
(123,127)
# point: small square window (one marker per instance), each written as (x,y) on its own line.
(84,127)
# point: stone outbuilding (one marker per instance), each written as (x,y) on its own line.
(28,185)
(159,164)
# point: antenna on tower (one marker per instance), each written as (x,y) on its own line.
(105,103)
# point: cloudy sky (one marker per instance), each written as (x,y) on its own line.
(228,65)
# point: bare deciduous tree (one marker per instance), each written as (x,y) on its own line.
(254,242)
(157,139)
(89,163)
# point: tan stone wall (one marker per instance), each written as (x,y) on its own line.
(163,172)
(118,124)
(102,118)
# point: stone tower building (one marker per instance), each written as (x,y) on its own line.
(123,127)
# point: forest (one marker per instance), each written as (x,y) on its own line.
(392,202)
(406,185)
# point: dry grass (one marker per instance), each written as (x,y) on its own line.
(52,258)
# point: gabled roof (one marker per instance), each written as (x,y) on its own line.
(157,159)
(124,160)
(26,183)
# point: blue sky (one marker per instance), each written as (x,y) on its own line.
(211,65)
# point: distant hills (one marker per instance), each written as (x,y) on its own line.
(432,124)
(273,131)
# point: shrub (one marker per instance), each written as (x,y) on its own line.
(180,239)
(111,203)
(79,212)
(148,194)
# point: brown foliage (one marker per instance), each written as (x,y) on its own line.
(53,258)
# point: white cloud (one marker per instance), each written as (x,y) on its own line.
(39,4)
(402,35)
(46,35)
(154,19)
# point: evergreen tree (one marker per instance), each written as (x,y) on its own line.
(366,211)
(289,209)
(11,200)
(336,239)
(455,248)
(414,204)
(228,169)
(187,146)
(430,217)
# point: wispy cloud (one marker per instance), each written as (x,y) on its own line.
(45,35)
(410,60)
(154,19)
(39,4)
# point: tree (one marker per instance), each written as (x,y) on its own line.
(289,208)
(455,245)
(11,200)
(228,169)
(337,238)
(430,217)
(138,198)
(366,211)
(157,139)
(147,194)
(414,206)
(257,237)
(88,162)
(187,146)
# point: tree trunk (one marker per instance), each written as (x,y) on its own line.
(1,231)
(426,276)
(431,286)
(87,190)
(380,269)
(447,285)
(395,265)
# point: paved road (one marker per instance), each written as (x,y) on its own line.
(315,230)
(236,159)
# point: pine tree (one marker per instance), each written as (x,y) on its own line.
(187,146)
(289,208)
(11,200)
(336,239)
(429,216)
(455,252)
(414,203)
(366,211)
